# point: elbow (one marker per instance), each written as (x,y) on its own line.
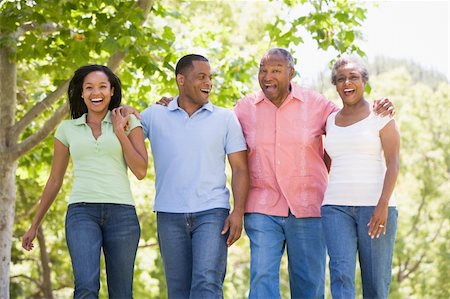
(394,165)
(140,175)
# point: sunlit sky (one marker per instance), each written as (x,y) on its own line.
(414,30)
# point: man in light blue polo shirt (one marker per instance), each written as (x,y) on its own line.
(190,139)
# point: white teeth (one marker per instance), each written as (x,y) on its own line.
(348,89)
(97,100)
(205,90)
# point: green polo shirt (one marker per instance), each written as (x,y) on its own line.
(100,170)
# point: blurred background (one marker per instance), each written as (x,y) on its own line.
(405,44)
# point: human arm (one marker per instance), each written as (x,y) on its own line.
(133,145)
(164,101)
(59,165)
(390,141)
(239,185)
(383,107)
(327,160)
(127,110)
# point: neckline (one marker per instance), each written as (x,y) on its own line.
(353,124)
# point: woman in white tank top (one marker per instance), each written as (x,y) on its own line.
(358,213)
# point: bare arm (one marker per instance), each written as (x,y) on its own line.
(133,145)
(390,140)
(59,165)
(327,161)
(239,185)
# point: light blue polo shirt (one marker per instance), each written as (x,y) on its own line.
(100,169)
(189,155)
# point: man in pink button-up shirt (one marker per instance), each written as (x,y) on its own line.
(283,125)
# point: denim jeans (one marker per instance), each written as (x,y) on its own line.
(305,245)
(114,228)
(194,253)
(346,233)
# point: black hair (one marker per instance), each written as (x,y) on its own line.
(185,62)
(76,102)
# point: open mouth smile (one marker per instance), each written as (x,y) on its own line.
(349,91)
(97,101)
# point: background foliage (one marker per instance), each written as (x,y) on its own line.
(56,37)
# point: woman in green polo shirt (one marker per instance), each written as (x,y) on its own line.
(101,215)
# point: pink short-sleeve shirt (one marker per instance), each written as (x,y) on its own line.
(285,152)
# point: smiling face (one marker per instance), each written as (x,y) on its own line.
(195,83)
(274,77)
(97,92)
(350,83)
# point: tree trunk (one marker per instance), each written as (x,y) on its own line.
(7,206)
(7,165)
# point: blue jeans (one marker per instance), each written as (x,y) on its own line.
(194,253)
(114,228)
(346,233)
(305,245)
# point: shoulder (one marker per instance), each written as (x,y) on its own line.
(308,94)
(69,123)
(147,112)
(251,99)
(247,104)
(222,112)
(134,121)
(381,121)
(332,115)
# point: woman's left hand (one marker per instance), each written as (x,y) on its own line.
(378,221)
(120,122)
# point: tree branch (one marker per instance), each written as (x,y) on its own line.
(31,26)
(413,230)
(31,141)
(38,109)
(28,278)
(115,60)
(146,6)
(45,263)
(23,195)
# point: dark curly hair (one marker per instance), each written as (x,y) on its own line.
(76,102)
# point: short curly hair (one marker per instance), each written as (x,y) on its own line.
(346,60)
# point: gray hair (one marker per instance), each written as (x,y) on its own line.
(347,60)
(284,53)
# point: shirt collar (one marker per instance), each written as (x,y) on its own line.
(173,105)
(294,94)
(82,119)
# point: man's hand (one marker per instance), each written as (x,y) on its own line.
(233,223)
(127,110)
(383,107)
(164,101)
